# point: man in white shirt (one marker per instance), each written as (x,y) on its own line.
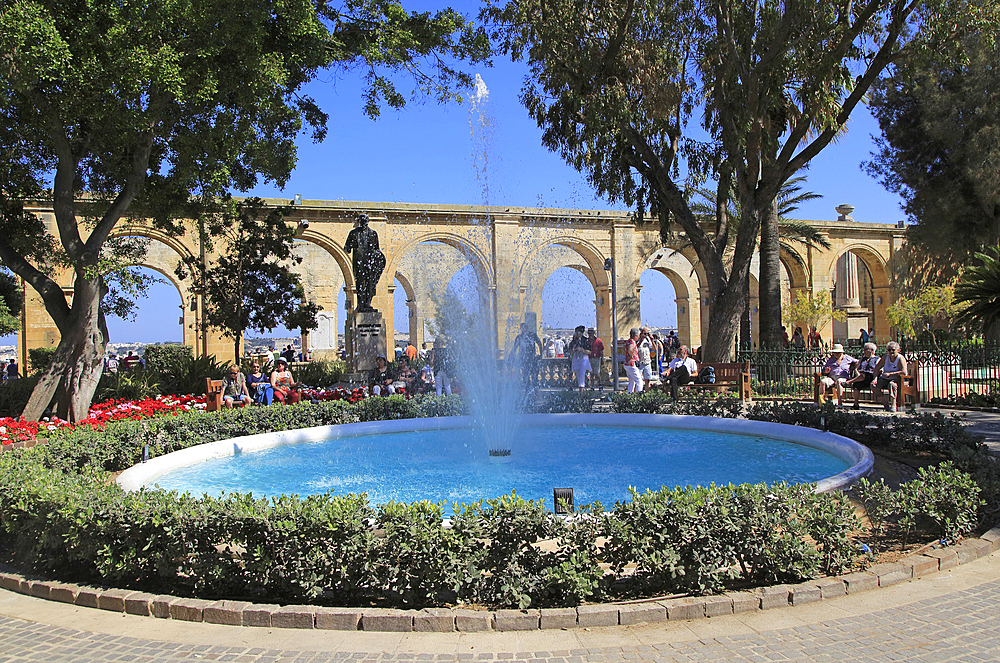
(681,370)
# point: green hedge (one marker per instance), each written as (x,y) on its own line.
(62,518)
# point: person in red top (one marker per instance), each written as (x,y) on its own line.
(784,337)
(632,369)
(815,340)
(596,355)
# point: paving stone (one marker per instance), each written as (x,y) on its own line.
(859,582)
(336,619)
(517,620)
(225,612)
(947,557)
(41,589)
(831,587)
(716,606)
(189,610)
(139,603)
(776,596)
(744,601)
(890,574)
(63,592)
(10,581)
(597,615)
(806,592)
(555,618)
(684,608)
(977,548)
(160,607)
(921,564)
(294,616)
(648,612)
(258,615)
(113,600)
(472,621)
(87,596)
(993,536)
(386,619)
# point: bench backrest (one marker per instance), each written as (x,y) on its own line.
(728,372)
(213,394)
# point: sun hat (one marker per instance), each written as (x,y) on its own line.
(281,360)
(837,347)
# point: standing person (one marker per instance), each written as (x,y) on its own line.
(596,357)
(523,355)
(579,352)
(112,366)
(560,347)
(13,370)
(681,370)
(864,336)
(646,357)
(260,385)
(283,384)
(289,354)
(890,371)
(632,370)
(658,346)
(441,363)
(550,349)
(837,370)
(815,340)
(784,337)
(798,341)
(235,389)
(423,350)
(411,352)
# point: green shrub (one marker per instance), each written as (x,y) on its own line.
(168,359)
(440,406)
(134,385)
(321,373)
(563,401)
(648,402)
(39,359)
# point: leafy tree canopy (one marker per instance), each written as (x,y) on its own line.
(615,84)
(940,150)
(157,109)
(250,284)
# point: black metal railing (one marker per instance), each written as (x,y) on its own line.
(955,369)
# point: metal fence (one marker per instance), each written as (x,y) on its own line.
(952,369)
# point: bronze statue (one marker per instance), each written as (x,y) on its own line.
(367,261)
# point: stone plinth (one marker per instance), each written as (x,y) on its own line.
(366,339)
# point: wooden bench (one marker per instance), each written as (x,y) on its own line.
(731,375)
(908,388)
(213,394)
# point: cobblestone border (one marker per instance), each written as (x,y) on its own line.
(443,620)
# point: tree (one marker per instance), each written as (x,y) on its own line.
(613,85)
(808,312)
(250,284)
(11,303)
(157,109)
(979,290)
(911,315)
(940,150)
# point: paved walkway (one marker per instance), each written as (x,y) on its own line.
(949,616)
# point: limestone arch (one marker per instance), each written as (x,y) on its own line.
(413,306)
(324,341)
(881,280)
(687,278)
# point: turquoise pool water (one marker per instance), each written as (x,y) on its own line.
(598,462)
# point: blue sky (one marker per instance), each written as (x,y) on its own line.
(425,153)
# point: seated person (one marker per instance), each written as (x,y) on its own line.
(425,383)
(407,377)
(381,378)
(681,370)
(283,385)
(837,370)
(866,372)
(890,372)
(259,385)
(235,389)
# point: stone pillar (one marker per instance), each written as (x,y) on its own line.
(848,294)
(509,305)
(684,320)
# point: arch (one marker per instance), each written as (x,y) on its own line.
(591,255)
(326,243)
(477,258)
(171,241)
(797,276)
(877,266)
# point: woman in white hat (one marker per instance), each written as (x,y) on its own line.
(837,370)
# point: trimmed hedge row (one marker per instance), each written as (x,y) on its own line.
(61,516)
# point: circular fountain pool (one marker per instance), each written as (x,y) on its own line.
(598,455)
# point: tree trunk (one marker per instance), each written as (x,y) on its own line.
(746,340)
(723,324)
(769,305)
(78,362)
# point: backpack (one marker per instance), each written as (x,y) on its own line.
(706,375)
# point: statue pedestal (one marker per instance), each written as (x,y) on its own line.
(365,341)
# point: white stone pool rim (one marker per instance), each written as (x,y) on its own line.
(858,456)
